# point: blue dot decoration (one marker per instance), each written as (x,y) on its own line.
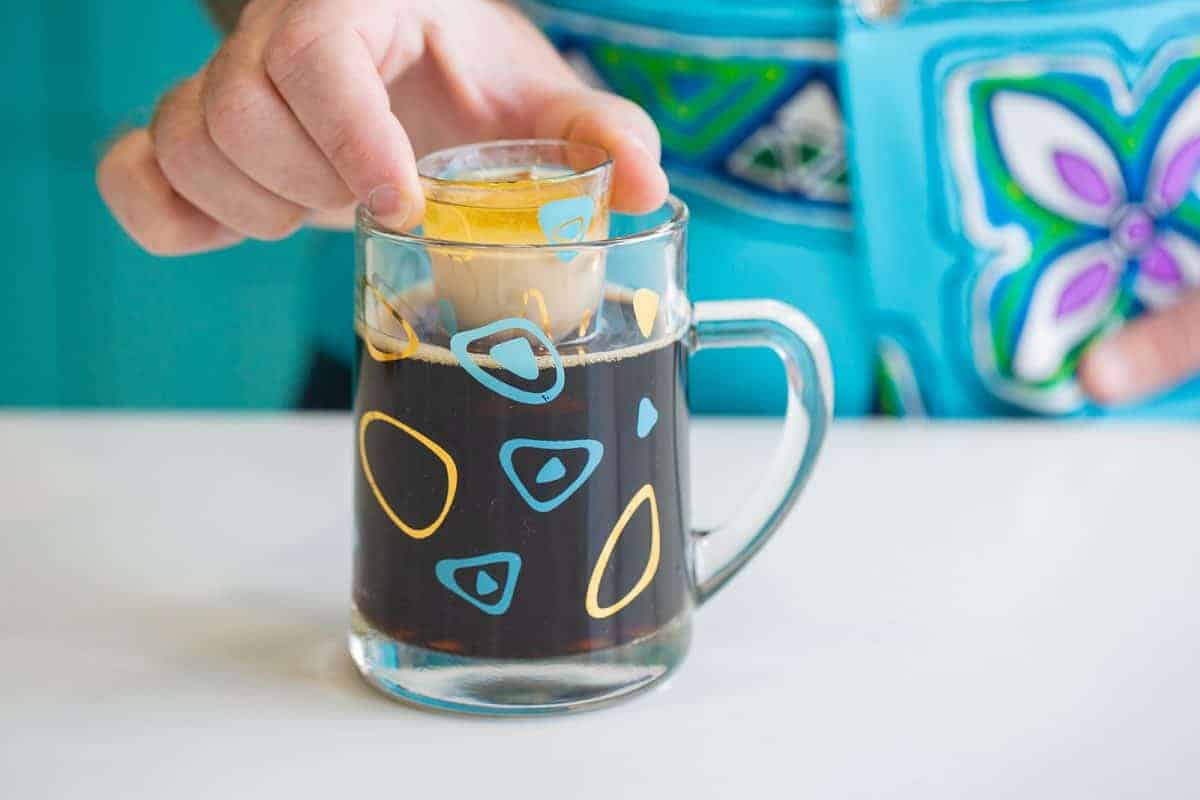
(517,357)
(553,470)
(647,417)
(485,584)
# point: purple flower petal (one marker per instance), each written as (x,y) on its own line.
(1179,174)
(1083,178)
(1160,266)
(1084,288)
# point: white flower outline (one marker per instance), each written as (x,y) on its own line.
(1010,245)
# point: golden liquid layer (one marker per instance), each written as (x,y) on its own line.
(506,211)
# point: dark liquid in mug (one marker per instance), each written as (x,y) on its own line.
(450,590)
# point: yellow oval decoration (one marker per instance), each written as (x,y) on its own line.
(413,342)
(434,447)
(645,494)
(645,310)
(385,357)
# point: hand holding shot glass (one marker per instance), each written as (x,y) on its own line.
(521,492)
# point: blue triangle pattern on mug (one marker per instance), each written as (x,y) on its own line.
(551,471)
(517,357)
(566,221)
(485,584)
(448,569)
(552,468)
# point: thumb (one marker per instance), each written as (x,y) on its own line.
(621,127)
(1145,357)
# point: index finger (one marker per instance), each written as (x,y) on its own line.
(622,128)
(330,81)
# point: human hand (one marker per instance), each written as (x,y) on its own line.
(1149,355)
(312,106)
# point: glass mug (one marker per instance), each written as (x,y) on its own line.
(521,493)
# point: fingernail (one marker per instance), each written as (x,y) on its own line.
(389,205)
(1108,375)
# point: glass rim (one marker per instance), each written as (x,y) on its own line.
(367,224)
(605,161)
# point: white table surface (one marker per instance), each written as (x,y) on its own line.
(954,611)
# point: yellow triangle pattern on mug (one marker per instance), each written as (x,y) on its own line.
(645,310)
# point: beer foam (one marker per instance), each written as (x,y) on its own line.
(571,354)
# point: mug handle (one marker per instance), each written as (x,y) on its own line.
(719,553)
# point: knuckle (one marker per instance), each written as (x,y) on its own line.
(174,148)
(289,50)
(145,204)
(323,195)
(348,146)
(331,195)
(229,109)
(119,185)
(176,139)
(409,41)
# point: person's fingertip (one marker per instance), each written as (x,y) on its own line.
(1106,374)
(639,183)
(641,195)
(387,201)
(394,207)
(642,134)
(629,135)
(1149,355)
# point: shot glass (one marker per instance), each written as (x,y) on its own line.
(529,192)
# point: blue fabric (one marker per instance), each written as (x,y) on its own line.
(746,98)
(956,281)
(778,18)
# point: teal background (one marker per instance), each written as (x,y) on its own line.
(87,318)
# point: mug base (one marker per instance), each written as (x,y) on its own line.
(578,682)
